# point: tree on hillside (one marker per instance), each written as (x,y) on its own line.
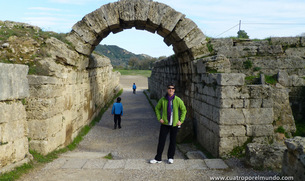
(242,34)
(133,62)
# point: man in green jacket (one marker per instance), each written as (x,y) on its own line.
(170,121)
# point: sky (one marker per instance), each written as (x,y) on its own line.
(216,18)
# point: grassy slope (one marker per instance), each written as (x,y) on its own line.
(145,73)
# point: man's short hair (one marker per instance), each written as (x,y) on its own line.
(118,99)
(170,84)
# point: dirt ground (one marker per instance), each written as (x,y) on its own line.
(127,81)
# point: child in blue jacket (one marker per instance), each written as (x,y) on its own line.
(134,87)
(117,111)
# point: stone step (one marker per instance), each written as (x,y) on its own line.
(89,160)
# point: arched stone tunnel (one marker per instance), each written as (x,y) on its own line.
(187,39)
(224,111)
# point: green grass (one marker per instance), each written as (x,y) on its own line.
(247,64)
(42,159)
(239,151)
(251,79)
(109,156)
(280,129)
(145,73)
(257,69)
(151,104)
(270,79)
(16,173)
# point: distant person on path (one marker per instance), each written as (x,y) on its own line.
(134,87)
(117,111)
(170,105)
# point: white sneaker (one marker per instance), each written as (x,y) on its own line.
(170,161)
(154,161)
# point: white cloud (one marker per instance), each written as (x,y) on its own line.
(44,9)
(76,2)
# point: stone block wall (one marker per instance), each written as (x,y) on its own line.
(13,124)
(225,112)
(294,158)
(169,69)
(59,106)
(280,57)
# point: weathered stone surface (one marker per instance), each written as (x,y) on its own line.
(42,129)
(270,49)
(282,110)
(285,41)
(221,43)
(85,32)
(218,63)
(142,8)
(184,27)
(296,145)
(13,136)
(258,116)
(80,45)
(282,78)
(169,21)
(265,156)
(259,130)
(231,131)
(13,82)
(110,12)
(216,164)
(155,15)
(98,61)
(127,12)
(294,159)
(193,39)
(230,116)
(300,52)
(230,79)
(95,21)
(62,54)
(41,80)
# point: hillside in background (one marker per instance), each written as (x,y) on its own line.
(119,56)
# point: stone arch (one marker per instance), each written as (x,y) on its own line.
(187,39)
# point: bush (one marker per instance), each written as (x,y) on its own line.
(280,129)
(247,64)
(270,79)
(242,34)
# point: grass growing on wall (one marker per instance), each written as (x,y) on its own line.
(145,73)
(42,159)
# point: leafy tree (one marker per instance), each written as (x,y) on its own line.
(242,34)
(134,62)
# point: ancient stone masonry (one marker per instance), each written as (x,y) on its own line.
(46,110)
(227,110)
(68,97)
(282,58)
(187,39)
(13,124)
(294,158)
(154,17)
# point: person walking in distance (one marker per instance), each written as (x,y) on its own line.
(170,120)
(134,87)
(117,111)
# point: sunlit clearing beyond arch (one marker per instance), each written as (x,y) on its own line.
(130,39)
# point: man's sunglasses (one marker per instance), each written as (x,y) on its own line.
(170,88)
